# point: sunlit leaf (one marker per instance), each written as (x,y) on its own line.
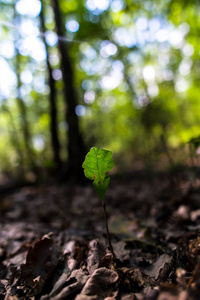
(96,165)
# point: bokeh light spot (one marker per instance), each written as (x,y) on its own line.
(108,49)
(101,5)
(80,110)
(51,38)
(26,77)
(148,73)
(30,8)
(72,26)
(89,97)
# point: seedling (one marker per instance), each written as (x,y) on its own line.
(96,165)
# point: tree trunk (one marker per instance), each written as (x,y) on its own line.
(52,101)
(76,149)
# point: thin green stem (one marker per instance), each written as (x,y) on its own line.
(107,230)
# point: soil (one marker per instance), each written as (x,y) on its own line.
(53,242)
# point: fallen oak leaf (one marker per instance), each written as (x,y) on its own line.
(69,262)
(95,254)
(100,285)
(73,285)
(41,260)
(158,268)
(131,279)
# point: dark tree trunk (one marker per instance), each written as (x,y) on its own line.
(52,100)
(76,149)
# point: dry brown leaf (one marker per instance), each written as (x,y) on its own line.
(96,252)
(101,284)
(131,279)
(155,269)
(41,260)
(74,284)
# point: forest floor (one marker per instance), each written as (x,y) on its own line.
(53,242)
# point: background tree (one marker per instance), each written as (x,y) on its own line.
(52,99)
(76,149)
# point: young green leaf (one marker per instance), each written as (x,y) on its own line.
(96,165)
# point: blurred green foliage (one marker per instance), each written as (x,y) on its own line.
(137,72)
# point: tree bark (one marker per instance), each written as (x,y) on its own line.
(76,149)
(52,101)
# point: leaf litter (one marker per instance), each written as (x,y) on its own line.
(53,242)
